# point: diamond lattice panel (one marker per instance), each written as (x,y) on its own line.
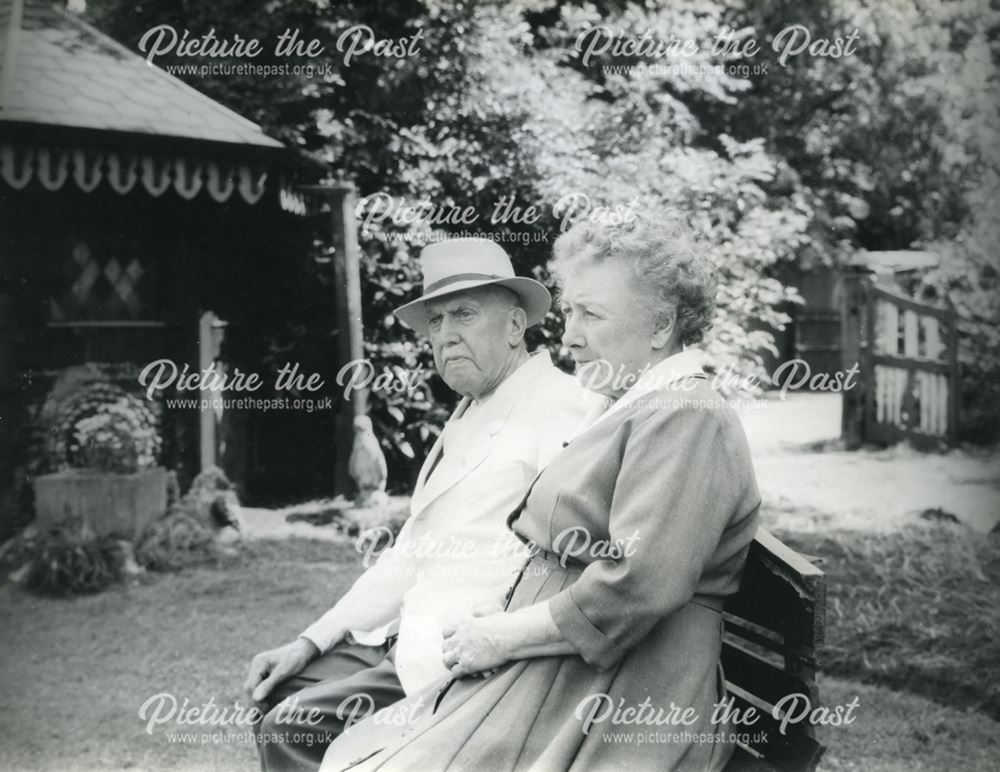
(100,288)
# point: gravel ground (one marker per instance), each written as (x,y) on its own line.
(869,489)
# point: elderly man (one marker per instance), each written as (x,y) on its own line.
(383,639)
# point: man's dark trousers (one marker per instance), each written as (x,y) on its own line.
(343,686)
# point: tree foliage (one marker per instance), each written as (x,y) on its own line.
(888,148)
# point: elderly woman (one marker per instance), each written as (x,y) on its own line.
(606,655)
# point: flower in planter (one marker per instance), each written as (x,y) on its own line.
(116,436)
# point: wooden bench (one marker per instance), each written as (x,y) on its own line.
(773,627)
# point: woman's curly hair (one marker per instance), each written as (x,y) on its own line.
(667,266)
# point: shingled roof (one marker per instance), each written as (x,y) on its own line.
(57,70)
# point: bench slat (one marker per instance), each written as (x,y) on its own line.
(762,678)
(794,751)
(738,629)
(744,761)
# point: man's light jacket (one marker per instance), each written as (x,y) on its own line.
(454,552)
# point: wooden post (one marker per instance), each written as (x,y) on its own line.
(954,383)
(341,197)
(868,359)
(852,330)
(11,416)
(206,415)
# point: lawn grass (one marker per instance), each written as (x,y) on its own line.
(917,610)
(75,672)
(899,732)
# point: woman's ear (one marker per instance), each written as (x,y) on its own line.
(663,332)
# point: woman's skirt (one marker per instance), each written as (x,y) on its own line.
(559,713)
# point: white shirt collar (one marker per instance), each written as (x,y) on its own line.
(512,386)
(674,367)
(528,370)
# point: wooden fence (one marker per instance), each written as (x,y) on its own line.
(907,357)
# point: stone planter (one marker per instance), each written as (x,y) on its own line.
(118,503)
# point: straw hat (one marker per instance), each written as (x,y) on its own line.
(462,264)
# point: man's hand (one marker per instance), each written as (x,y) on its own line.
(270,668)
(475,645)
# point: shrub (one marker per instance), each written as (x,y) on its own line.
(70,559)
(407,424)
(176,541)
(968,282)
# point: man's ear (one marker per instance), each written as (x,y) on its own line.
(518,324)
(663,333)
